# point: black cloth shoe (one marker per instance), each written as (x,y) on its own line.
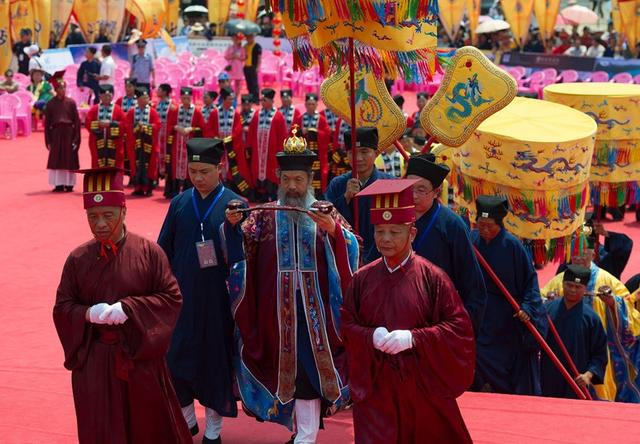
(194,430)
(68,189)
(58,189)
(206,440)
(293,438)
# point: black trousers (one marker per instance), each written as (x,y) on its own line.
(251,77)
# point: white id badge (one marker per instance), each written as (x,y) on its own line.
(206,254)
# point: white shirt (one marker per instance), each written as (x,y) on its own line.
(595,51)
(36,62)
(108,68)
(402,264)
(576,52)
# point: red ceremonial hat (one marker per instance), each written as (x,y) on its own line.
(103,187)
(57,79)
(391,201)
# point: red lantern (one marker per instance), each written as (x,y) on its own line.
(277,31)
(277,42)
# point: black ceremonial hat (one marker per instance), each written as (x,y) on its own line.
(366,137)
(269,93)
(425,166)
(577,274)
(492,207)
(205,150)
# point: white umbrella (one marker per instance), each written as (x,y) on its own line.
(196,9)
(493,25)
(579,15)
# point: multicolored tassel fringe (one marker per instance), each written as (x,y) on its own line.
(614,194)
(413,66)
(381,11)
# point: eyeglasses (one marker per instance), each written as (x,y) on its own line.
(420,191)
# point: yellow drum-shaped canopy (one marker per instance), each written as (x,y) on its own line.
(538,155)
(614,106)
(531,144)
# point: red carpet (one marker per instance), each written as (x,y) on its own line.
(39,229)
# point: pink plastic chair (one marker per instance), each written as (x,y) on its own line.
(636,78)
(23,112)
(568,76)
(521,69)
(622,77)
(550,74)
(8,115)
(598,76)
(532,84)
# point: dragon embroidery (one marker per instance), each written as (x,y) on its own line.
(527,161)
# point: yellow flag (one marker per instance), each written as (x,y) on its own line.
(473,89)
(60,16)
(113,18)
(629,19)
(22,16)
(173,14)
(546,12)
(615,16)
(87,13)
(374,104)
(518,14)
(251,9)
(151,16)
(451,12)
(219,11)
(42,12)
(5,41)
(473,12)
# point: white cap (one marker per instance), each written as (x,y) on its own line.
(31,50)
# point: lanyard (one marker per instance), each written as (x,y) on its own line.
(423,237)
(195,208)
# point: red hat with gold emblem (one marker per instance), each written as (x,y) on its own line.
(103,187)
(391,201)
(57,80)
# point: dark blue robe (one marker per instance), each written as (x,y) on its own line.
(447,244)
(201,352)
(335,194)
(507,354)
(581,331)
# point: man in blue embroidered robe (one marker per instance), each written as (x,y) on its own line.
(443,237)
(507,354)
(343,189)
(286,298)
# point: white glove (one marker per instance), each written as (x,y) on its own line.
(114,315)
(378,337)
(96,311)
(397,341)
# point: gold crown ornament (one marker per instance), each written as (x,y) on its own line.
(295,144)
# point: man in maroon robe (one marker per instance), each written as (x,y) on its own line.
(286,297)
(409,340)
(62,136)
(115,310)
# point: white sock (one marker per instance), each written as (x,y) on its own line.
(307,420)
(214,423)
(189,413)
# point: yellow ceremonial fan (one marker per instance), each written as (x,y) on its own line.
(473,88)
(374,104)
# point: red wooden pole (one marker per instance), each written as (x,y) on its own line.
(567,356)
(536,334)
(401,150)
(354,151)
(427,146)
